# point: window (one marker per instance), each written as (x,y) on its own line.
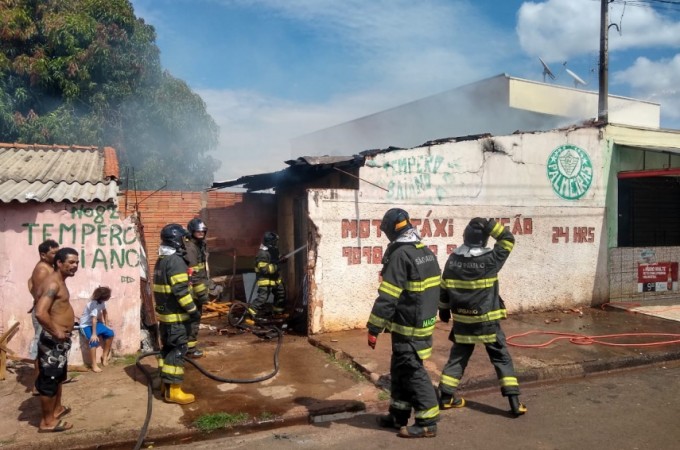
(649,212)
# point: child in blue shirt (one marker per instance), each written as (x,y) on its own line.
(96,318)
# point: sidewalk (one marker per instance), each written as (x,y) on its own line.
(560,359)
(109,408)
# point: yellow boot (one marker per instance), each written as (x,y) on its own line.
(175,394)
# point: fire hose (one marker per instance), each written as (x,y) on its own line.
(149,379)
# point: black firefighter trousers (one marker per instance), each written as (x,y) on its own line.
(174,338)
(499,356)
(411,389)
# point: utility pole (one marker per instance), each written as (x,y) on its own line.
(603,100)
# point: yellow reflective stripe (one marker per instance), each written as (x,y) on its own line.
(398,404)
(162,288)
(442,305)
(184,301)
(449,381)
(497,230)
(262,264)
(420,286)
(378,321)
(173,318)
(198,288)
(420,245)
(197,267)
(191,344)
(506,245)
(471,339)
(172,370)
(411,331)
(390,289)
(267,282)
(476,284)
(160,362)
(179,278)
(488,317)
(428,413)
(508,381)
(425,353)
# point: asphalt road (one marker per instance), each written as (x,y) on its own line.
(633,409)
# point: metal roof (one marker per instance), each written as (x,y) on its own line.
(58,173)
(303,169)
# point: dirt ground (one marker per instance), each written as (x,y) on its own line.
(109,408)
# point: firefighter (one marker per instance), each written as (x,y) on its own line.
(175,310)
(470,295)
(197,257)
(268,275)
(406,307)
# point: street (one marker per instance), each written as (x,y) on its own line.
(633,409)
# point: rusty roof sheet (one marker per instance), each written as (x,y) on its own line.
(303,169)
(58,173)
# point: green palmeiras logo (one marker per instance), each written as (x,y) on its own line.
(570,171)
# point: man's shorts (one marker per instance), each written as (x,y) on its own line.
(103,332)
(52,364)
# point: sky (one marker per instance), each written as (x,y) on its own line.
(273,70)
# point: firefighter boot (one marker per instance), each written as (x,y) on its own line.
(194,353)
(418,431)
(448,401)
(516,408)
(175,394)
(389,421)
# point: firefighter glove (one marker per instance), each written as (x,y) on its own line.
(445,315)
(372,340)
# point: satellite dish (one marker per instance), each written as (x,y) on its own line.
(577,80)
(546,70)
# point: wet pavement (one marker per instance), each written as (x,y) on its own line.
(109,408)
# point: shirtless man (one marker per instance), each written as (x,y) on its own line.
(47,250)
(55,313)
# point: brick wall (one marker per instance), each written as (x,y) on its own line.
(236,222)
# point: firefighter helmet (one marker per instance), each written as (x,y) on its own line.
(172,235)
(195,225)
(395,222)
(270,239)
(476,234)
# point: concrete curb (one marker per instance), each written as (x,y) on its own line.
(546,373)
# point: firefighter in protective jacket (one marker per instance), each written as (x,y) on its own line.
(268,274)
(469,295)
(174,309)
(197,258)
(406,307)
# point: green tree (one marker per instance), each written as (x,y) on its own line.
(88,72)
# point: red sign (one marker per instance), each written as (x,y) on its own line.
(657,276)
(654,273)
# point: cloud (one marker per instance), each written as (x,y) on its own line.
(656,81)
(558,30)
(255,130)
(399,50)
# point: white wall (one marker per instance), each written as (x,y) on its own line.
(560,257)
(108,250)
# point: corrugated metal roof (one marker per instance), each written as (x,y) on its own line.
(303,169)
(58,173)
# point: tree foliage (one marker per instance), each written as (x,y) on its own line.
(88,72)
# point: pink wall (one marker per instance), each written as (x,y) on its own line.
(109,254)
